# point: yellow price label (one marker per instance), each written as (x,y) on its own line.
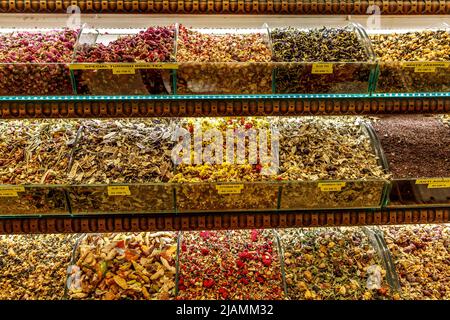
(439,185)
(331,186)
(322,68)
(122,68)
(425,67)
(12,188)
(229,188)
(119,191)
(432,180)
(8,193)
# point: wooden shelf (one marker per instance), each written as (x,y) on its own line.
(227,220)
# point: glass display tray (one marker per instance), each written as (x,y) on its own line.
(121,80)
(282,254)
(191,197)
(412,75)
(267,194)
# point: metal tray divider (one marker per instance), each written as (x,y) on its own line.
(177,262)
(72,262)
(394,275)
(74,55)
(381,249)
(282,267)
(69,167)
(382,161)
(174,72)
(367,44)
(272,64)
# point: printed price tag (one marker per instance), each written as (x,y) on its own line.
(435,183)
(331,186)
(425,67)
(121,68)
(431,180)
(119,191)
(13,188)
(124,70)
(439,185)
(8,193)
(229,188)
(322,68)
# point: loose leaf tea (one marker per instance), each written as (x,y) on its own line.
(415,146)
(324,44)
(421,255)
(33,267)
(230,265)
(121,152)
(155,44)
(332,263)
(124,266)
(425,46)
(36,152)
(223,63)
(198,181)
(297,50)
(313,149)
(34,63)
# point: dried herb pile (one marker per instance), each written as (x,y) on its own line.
(36,151)
(155,44)
(232,265)
(426,46)
(124,151)
(323,44)
(124,266)
(332,263)
(33,267)
(421,254)
(330,148)
(34,62)
(297,50)
(415,146)
(223,63)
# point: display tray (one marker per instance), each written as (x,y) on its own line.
(419,192)
(42,70)
(301,58)
(337,263)
(406,143)
(71,194)
(405,61)
(33,200)
(348,263)
(124,61)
